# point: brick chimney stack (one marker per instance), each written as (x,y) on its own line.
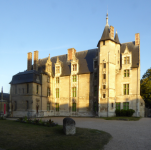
(137,39)
(71,53)
(112,32)
(29,61)
(35,66)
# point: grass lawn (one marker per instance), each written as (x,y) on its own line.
(21,136)
(122,118)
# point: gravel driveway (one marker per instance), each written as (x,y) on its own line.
(127,135)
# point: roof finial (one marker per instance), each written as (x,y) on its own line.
(107,18)
(116,31)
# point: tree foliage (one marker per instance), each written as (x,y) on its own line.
(146,88)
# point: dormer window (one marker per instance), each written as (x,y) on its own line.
(49,68)
(126,60)
(75,67)
(58,69)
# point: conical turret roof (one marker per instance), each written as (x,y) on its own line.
(116,38)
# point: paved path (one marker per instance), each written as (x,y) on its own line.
(127,135)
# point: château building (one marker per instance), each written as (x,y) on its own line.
(86,83)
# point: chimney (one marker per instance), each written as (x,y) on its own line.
(35,66)
(112,32)
(29,61)
(137,39)
(71,53)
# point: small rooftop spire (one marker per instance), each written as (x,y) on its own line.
(116,31)
(107,19)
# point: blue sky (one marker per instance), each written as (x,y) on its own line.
(53,26)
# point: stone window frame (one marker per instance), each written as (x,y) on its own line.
(126,89)
(37,89)
(126,60)
(57,107)
(125,105)
(57,92)
(58,69)
(104,86)
(57,80)
(74,78)
(118,105)
(48,91)
(74,67)
(74,91)
(48,106)
(126,73)
(104,95)
(104,76)
(74,107)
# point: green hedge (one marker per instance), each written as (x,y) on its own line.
(124,113)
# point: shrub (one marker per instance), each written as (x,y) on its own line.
(117,112)
(124,113)
(130,112)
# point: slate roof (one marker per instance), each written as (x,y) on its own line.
(116,38)
(5,96)
(135,52)
(85,62)
(26,77)
(106,36)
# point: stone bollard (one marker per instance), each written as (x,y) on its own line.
(69,126)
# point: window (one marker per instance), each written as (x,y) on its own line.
(104,95)
(104,86)
(27,88)
(104,76)
(27,105)
(95,106)
(74,92)
(15,105)
(57,93)
(126,105)
(37,89)
(49,68)
(104,65)
(112,105)
(74,107)
(19,90)
(48,106)
(23,90)
(118,106)
(48,91)
(58,69)
(15,89)
(75,67)
(95,76)
(74,78)
(126,89)
(57,80)
(95,91)
(103,42)
(126,73)
(48,79)
(57,106)
(95,64)
(126,60)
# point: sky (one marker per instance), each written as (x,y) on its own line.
(53,26)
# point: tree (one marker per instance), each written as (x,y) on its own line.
(146,88)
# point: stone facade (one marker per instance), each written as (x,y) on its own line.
(87,83)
